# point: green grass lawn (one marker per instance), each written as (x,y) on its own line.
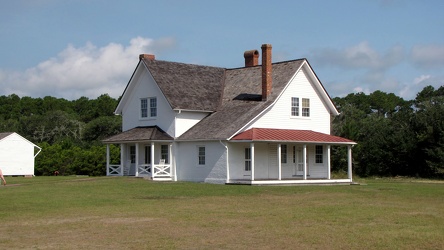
(133,213)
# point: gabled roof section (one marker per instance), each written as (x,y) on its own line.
(288,135)
(149,133)
(321,89)
(5,134)
(188,86)
(241,100)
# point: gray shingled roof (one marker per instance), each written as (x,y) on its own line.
(234,94)
(241,101)
(188,86)
(5,134)
(140,134)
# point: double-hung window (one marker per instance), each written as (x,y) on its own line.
(294,106)
(319,154)
(201,155)
(283,153)
(300,107)
(247,159)
(164,153)
(305,107)
(148,107)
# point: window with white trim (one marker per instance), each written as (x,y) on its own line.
(164,153)
(319,154)
(201,155)
(148,154)
(247,159)
(300,108)
(294,106)
(148,107)
(305,107)
(133,154)
(283,153)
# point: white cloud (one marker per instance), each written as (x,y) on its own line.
(421,78)
(428,56)
(360,56)
(82,71)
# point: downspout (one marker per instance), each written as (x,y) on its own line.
(228,164)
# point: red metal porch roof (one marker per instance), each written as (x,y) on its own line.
(289,135)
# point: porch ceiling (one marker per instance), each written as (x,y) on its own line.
(289,135)
(151,133)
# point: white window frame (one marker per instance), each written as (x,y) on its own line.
(295,106)
(299,107)
(305,107)
(319,154)
(165,151)
(201,158)
(247,166)
(148,107)
(284,153)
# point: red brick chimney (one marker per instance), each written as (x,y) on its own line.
(266,71)
(147,57)
(251,58)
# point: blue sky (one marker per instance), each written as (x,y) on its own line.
(73,48)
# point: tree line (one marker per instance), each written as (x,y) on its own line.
(69,132)
(395,137)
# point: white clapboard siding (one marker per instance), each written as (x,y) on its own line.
(187,119)
(17,155)
(144,86)
(187,165)
(279,116)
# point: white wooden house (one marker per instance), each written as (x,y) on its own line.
(17,154)
(259,124)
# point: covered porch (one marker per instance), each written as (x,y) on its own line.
(281,157)
(144,152)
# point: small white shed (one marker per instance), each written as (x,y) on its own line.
(17,154)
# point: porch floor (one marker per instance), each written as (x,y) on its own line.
(290,181)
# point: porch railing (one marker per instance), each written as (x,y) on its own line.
(162,171)
(114,170)
(144,169)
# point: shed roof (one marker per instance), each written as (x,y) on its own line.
(289,135)
(150,133)
(5,134)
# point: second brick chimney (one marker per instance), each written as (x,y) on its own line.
(147,57)
(266,71)
(251,58)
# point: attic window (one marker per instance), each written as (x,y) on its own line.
(148,107)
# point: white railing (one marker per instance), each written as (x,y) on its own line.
(114,170)
(144,169)
(162,171)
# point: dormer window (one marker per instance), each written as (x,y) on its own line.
(148,107)
(300,110)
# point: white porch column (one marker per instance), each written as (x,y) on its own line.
(122,158)
(279,162)
(304,159)
(137,160)
(152,159)
(328,163)
(107,159)
(349,153)
(252,161)
(170,159)
(175,146)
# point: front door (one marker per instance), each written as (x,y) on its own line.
(298,160)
